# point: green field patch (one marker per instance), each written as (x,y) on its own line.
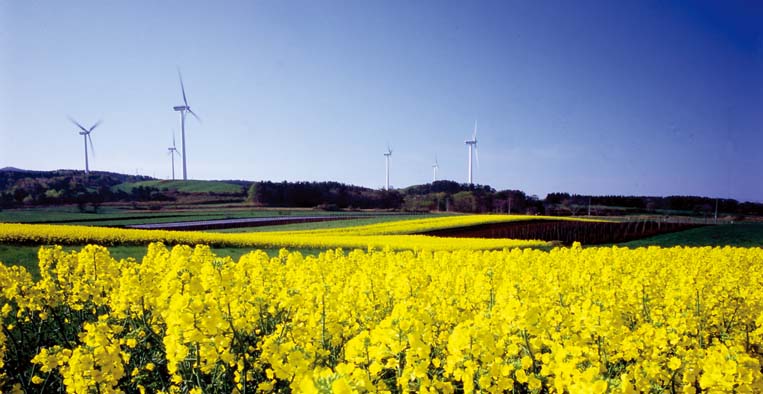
(737,234)
(183,186)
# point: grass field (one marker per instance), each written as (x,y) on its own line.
(183,186)
(739,234)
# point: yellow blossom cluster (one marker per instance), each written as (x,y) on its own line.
(595,320)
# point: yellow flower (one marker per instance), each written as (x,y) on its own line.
(340,386)
(521,376)
(674,363)
(527,362)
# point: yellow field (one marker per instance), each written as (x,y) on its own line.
(377,236)
(570,320)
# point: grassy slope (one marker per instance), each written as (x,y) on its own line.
(183,186)
(740,234)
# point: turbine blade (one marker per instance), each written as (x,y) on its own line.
(474,136)
(173,140)
(477,155)
(78,125)
(94,126)
(92,148)
(182,88)
(194,115)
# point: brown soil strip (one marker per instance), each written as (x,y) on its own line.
(566,232)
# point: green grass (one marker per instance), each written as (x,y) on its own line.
(55,214)
(183,186)
(739,234)
(26,255)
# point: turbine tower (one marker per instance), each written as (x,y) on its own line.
(472,143)
(183,109)
(435,167)
(172,152)
(85,133)
(387,154)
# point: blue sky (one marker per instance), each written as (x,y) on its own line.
(592,97)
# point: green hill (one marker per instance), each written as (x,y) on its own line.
(183,186)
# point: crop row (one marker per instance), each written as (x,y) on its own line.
(572,320)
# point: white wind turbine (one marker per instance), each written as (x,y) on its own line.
(85,133)
(472,144)
(435,167)
(172,152)
(183,109)
(387,154)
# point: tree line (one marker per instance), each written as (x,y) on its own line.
(31,188)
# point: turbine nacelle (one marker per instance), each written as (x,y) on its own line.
(181,108)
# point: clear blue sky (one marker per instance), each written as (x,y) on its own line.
(605,97)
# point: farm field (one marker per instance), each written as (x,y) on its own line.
(396,235)
(373,306)
(329,224)
(593,320)
(122,216)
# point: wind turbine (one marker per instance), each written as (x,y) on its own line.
(387,154)
(172,152)
(435,167)
(472,143)
(183,109)
(85,133)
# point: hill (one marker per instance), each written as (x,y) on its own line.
(192,186)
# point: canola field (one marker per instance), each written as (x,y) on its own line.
(399,235)
(568,320)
